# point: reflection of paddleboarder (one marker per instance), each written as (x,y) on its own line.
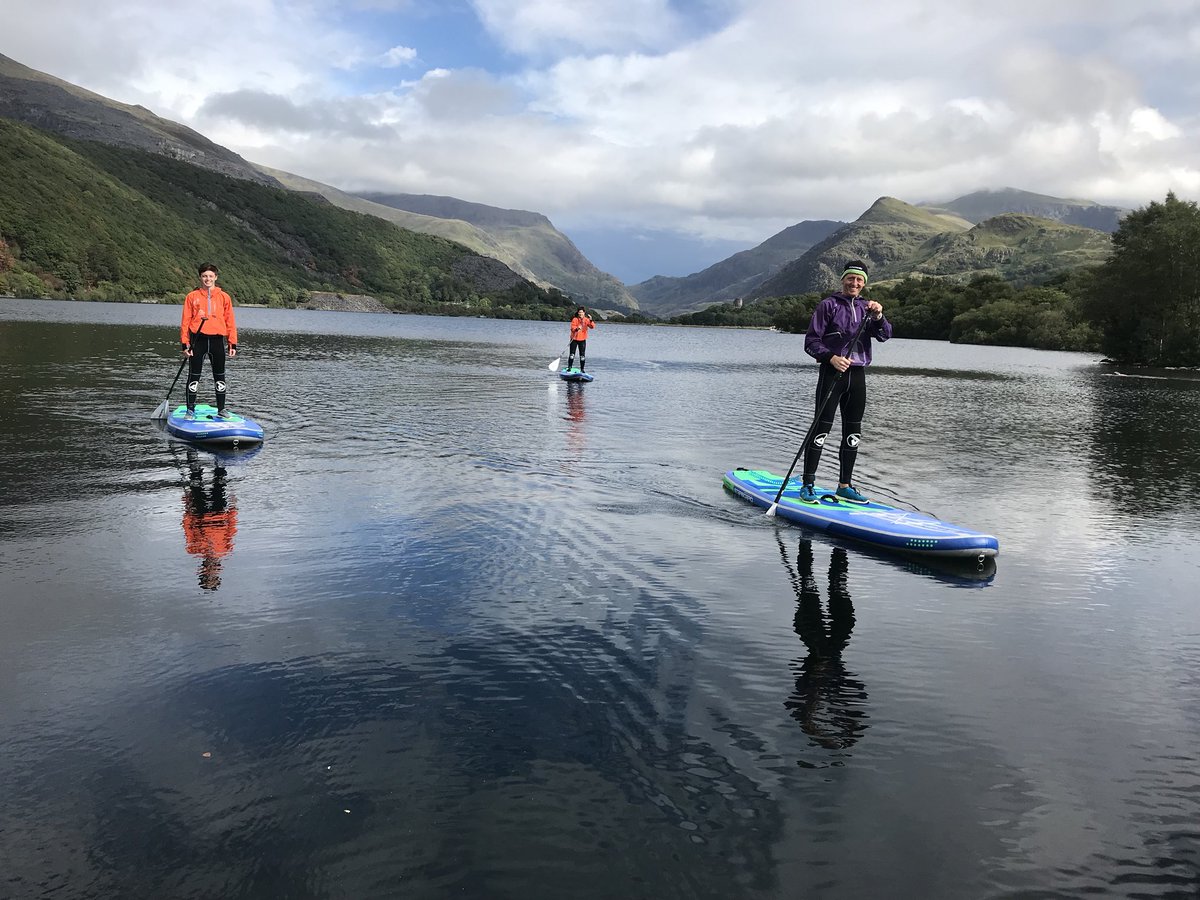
(575,416)
(209,521)
(828,700)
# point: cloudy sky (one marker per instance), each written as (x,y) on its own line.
(661,135)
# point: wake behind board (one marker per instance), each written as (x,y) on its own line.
(206,429)
(874,523)
(574,375)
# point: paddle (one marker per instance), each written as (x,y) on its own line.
(820,409)
(161,411)
(555,363)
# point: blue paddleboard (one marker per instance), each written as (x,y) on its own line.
(574,375)
(875,523)
(205,428)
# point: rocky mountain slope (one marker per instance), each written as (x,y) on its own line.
(54,105)
(527,238)
(733,277)
(886,234)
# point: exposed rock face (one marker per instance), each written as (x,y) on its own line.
(486,274)
(344,302)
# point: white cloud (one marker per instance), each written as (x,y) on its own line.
(398,56)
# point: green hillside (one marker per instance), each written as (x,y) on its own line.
(89,220)
(54,105)
(528,238)
(1019,249)
(899,241)
(889,211)
(452,229)
(886,234)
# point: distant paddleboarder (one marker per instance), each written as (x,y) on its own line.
(834,324)
(579,334)
(207,323)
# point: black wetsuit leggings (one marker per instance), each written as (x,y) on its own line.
(581,346)
(212,346)
(850,396)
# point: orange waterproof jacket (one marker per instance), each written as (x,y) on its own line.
(579,327)
(205,317)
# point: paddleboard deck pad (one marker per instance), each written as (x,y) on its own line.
(574,375)
(883,526)
(205,428)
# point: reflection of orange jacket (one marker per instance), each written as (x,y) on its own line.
(201,316)
(579,327)
(209,534)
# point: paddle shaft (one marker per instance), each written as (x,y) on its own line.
(862,326)
(183,362)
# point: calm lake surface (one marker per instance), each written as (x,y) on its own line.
(461,629)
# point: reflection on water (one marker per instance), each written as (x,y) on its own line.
(828,701)
(209,517)
(576,413)
(1144,442)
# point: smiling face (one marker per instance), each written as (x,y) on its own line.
(852,285)
(208,278)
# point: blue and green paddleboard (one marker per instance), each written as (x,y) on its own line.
(883,526)
(573,374)
(205,428)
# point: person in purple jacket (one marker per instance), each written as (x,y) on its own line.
(834,324)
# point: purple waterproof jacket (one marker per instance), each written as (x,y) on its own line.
(834,322)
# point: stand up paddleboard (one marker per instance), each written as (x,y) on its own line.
(574,375)
(874,523)
(207,430)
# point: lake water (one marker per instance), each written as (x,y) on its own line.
(461,629)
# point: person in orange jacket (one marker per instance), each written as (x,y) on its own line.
(206,325)
(579,333)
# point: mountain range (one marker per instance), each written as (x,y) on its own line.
(896,240)
(1015,234)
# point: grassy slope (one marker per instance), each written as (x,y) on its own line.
(1014,247)
(887,233)
(452,229)
(150,220)
(36,98)
(529,238)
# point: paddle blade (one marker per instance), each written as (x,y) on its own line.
(161,411)
(771,510)
(554,364)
